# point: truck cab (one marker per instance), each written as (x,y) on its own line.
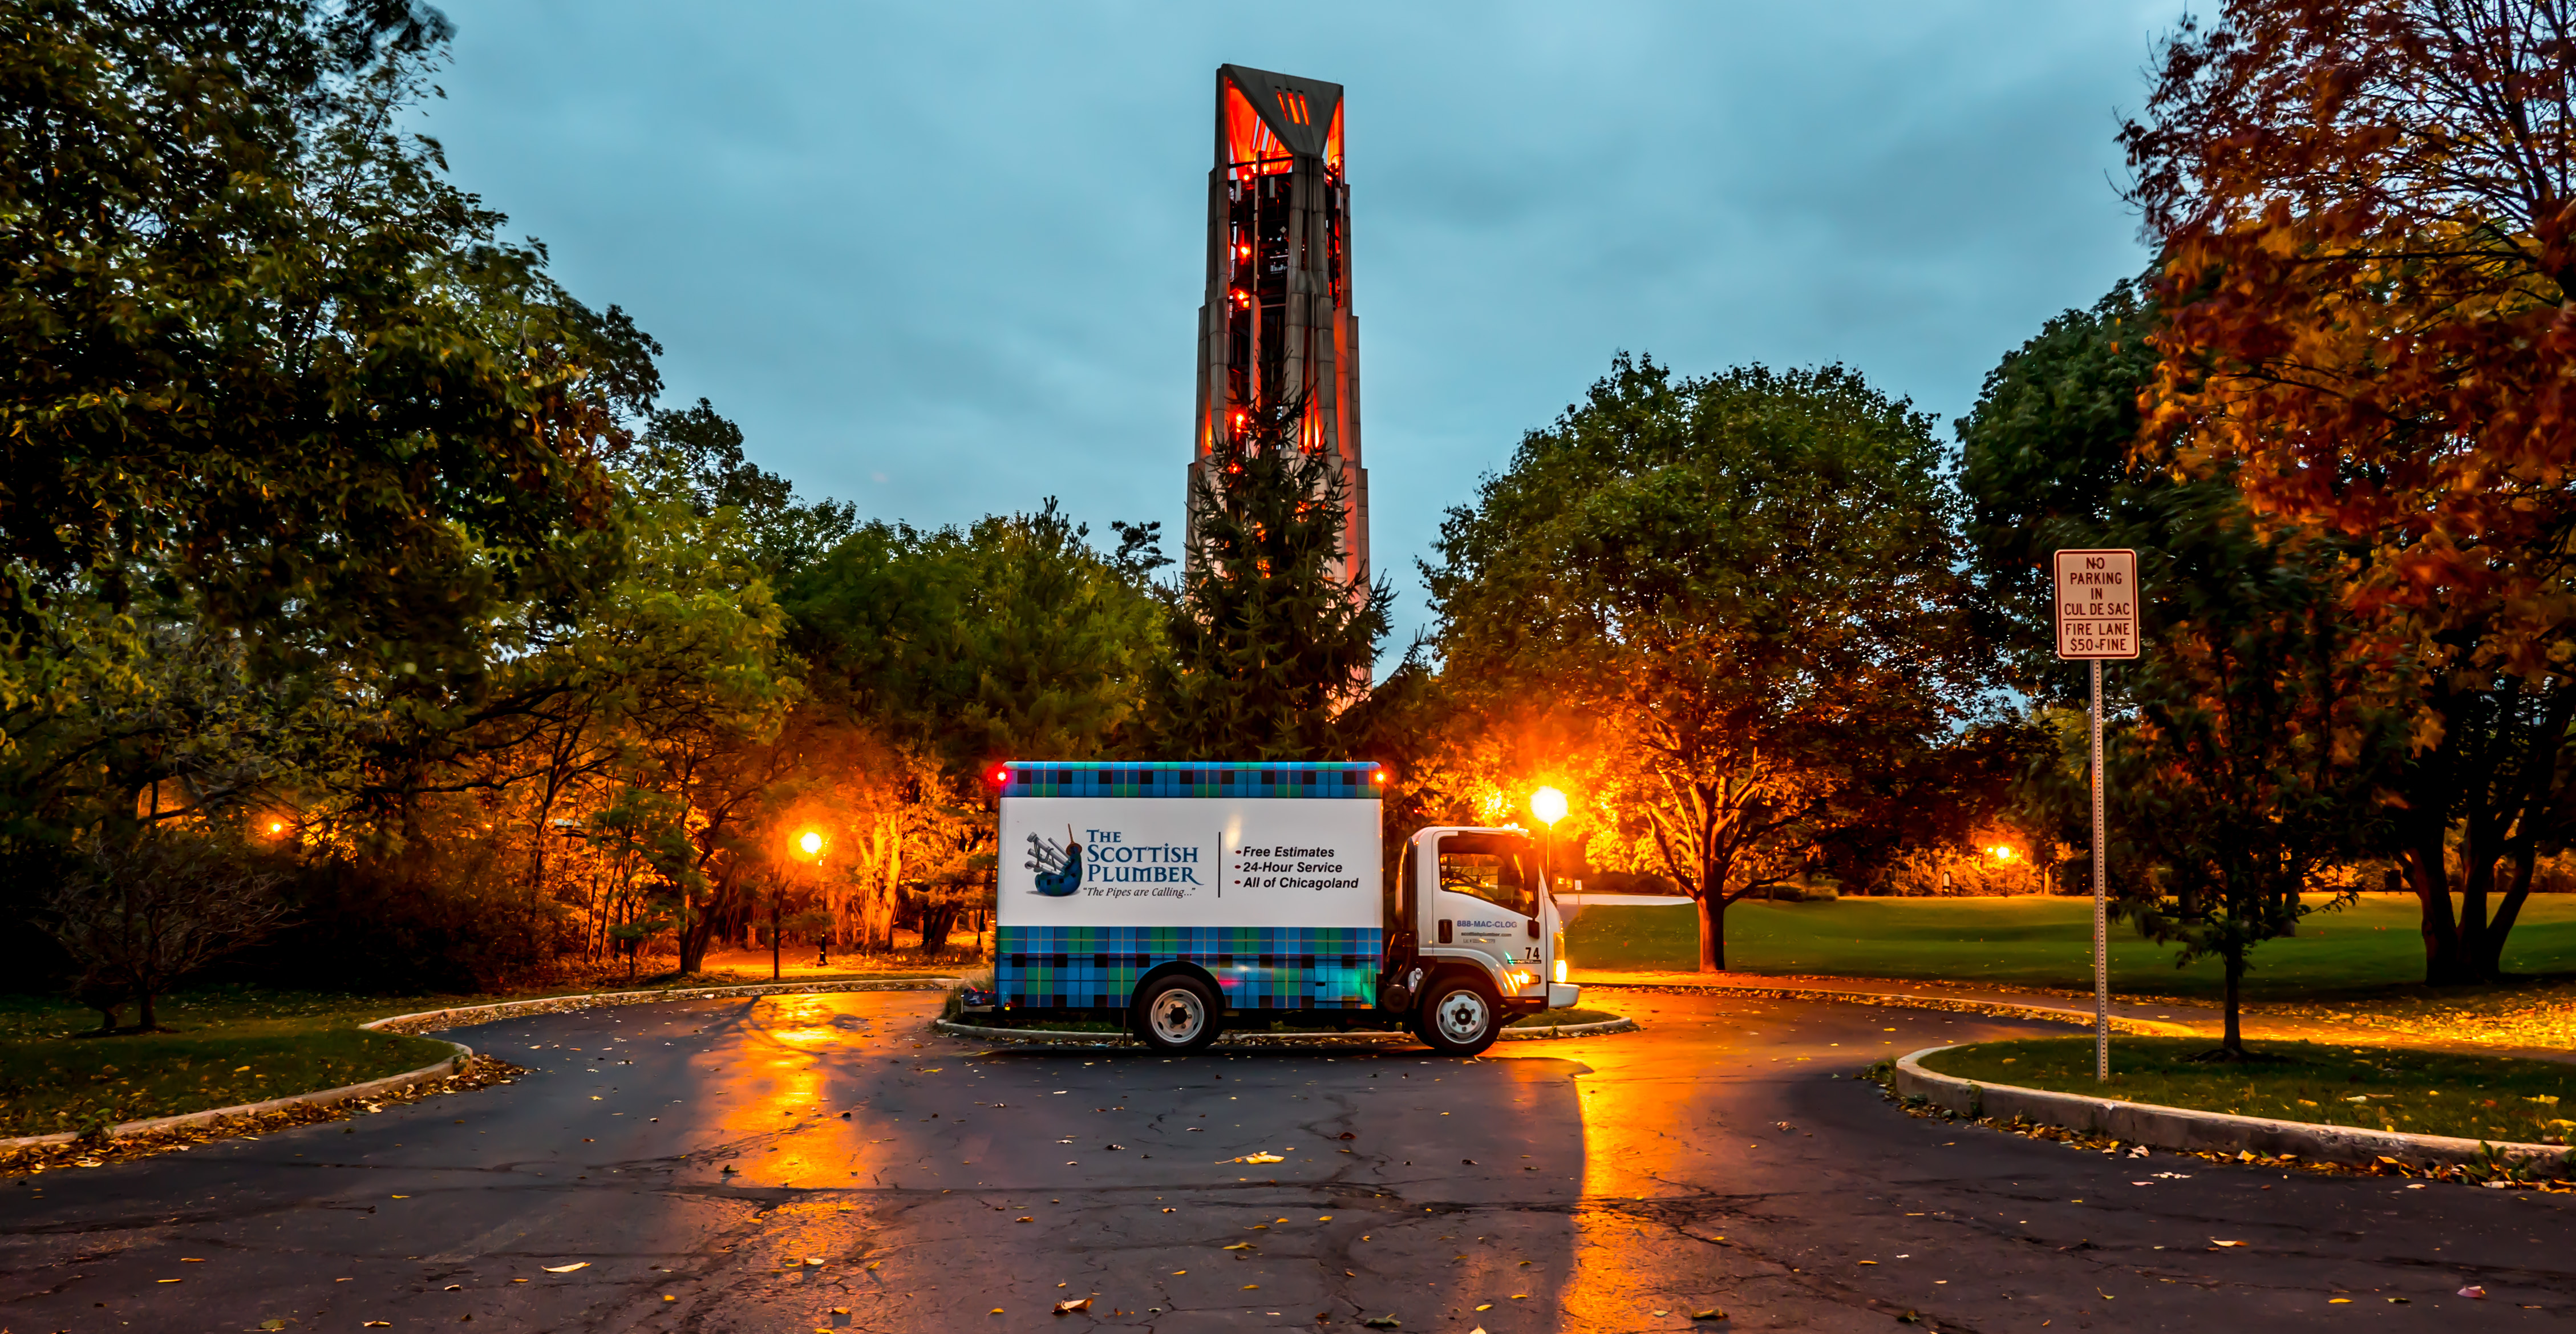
(1474,940)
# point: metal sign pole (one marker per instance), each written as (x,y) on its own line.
(2101,956)
(2096,595)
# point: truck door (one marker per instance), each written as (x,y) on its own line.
(1486,904)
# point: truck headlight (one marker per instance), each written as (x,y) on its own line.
(1560,970)
(1522,981)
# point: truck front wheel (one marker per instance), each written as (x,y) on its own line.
(1176,1013)
(1459,1017)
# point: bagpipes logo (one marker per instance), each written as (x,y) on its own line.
(1059,865)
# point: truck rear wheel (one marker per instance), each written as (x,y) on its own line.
(1459,1017)
(1176,1013)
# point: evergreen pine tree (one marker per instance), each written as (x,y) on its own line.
(1269,644)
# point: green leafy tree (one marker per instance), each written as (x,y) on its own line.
(2251,769)
(1013,638)
(2247,742)
(702,451)
(264,355)
(2047,460)
(1270,639)
(1742,584)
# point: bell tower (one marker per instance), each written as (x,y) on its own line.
(1276,326)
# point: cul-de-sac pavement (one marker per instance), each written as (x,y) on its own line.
(829,1162)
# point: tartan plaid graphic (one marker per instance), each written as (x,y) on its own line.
(1259,967)
(1065,778)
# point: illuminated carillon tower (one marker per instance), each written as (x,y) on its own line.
(1277,324)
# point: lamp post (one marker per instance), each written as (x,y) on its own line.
(1548,805)
(811,844)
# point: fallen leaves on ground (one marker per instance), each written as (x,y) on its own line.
(1077,1304)
(1260,1158)
(566,1269)
(479,1072)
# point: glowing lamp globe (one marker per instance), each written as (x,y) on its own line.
(1548,805)
(812,843)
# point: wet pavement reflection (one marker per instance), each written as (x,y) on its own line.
(827,1162)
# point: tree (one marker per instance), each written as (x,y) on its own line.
(2243,745)
(1012,638)
(2249,773)
(264,356)
(702,452)
(1743,584)
(1270,640)
(147,909)
(2368,209)
(2047,460)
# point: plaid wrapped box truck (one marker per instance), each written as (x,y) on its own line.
(1179,899)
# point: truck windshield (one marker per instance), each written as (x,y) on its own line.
(1501,869)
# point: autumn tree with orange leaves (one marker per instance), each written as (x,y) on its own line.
(2368,214)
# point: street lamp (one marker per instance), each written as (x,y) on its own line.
(811,844)
(1548,805)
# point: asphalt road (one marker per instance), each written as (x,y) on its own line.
(816,1163)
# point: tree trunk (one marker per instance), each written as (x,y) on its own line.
(935,920)
(1712,933)
(2431,880)
(144,1022)
(2234,1042)
(2488,958)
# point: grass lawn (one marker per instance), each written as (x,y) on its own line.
(2473,1097)
(47,1085)
(52,1079)
(2047,942)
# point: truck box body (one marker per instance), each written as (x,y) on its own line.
(1266,876)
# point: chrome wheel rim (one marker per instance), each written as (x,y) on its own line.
(1177,1016)
(1462,1016)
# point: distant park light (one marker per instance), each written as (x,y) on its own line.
(2002,853)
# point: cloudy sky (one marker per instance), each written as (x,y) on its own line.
(945,259)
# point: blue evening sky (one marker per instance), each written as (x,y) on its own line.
(945,259)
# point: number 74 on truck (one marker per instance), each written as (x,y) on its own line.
(1180,899)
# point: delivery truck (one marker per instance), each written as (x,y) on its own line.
(1179,899)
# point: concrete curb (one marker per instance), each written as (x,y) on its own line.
(431,1020)
(2066,1014)
(416,1024)
(1038,1037)
(373,1088)
(2220,1132)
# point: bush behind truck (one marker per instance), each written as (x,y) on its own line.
(1176,898)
